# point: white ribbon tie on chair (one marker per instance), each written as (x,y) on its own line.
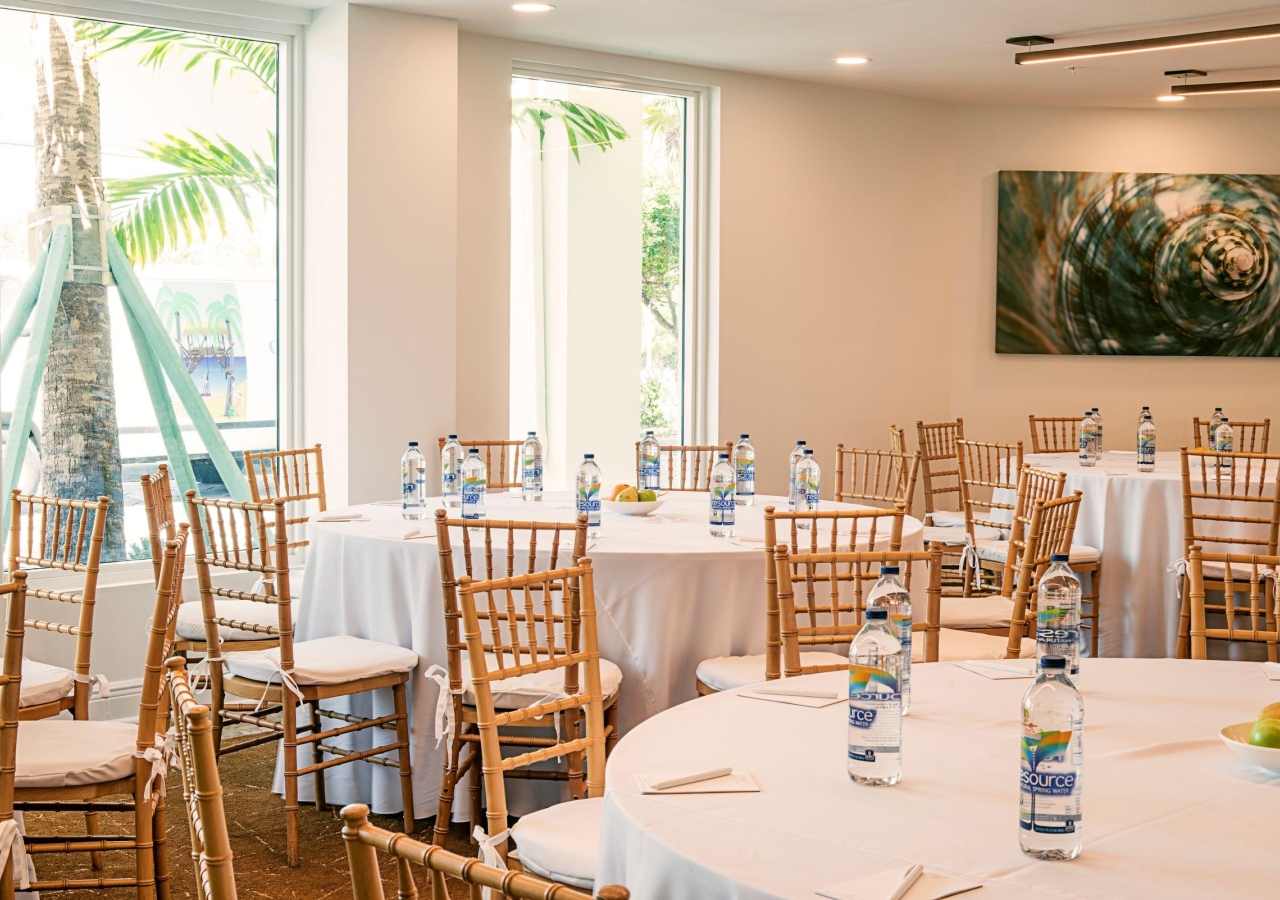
(969,558)
(285,678)
(200,675)
(489,854)
(101,682)
(12,848)
(160,755)
(444,704)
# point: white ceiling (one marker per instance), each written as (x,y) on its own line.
(948,50)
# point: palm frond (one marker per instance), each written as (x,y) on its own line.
(582,124)
(153,210)
(258,58)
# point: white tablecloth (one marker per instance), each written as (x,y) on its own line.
(1169,812)
(668,595)
(1135,519)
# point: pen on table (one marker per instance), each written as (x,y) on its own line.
(412,534)
(907,880)
(797,692)
(692,779)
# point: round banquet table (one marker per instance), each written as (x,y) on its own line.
(668,595)
(1169,811)
(1136,520)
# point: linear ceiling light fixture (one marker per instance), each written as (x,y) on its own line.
(1145,45)
(1226,87)
(1184,74)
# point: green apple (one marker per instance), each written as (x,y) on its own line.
(1266,733)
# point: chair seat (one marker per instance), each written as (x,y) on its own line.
(998,551)
(724,673)
(191,619)
(992,611)
(43,683)
(1083,553)
(330,660)
(956,537)
(956,645)
(536,687)
(1212,570)
(947,518)
(562,842)
(67,753)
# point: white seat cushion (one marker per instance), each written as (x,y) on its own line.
(191,619)
(992,550)
(330,660)
(42,683)
(993,611)
(724,673)
(562,842)
(64,753)
(536,687)
(956,645)
(955,537)
(1083,553)
(947,518)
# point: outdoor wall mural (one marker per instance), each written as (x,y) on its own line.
(1138,264)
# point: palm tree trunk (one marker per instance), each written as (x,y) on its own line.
(81,439)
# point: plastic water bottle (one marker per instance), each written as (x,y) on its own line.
(1214,421)
(875,702)
(531,468)
(1147,444)
(723,501)
(1051,784)
(413,483)
(891,594)
(1225,438)
(588,493)
(1088,440)
(796,455)
(804,489)
(1146,411)
(650,474)
(475,483)
(744,467)
(1097,418)
(1058,615)
(451,457)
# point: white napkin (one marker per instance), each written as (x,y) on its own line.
(737,783)
(1271,670)
(811,702)
(343,517)
(881,885)
(996,670)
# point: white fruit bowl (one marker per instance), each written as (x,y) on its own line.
(632,509)
(1237,738)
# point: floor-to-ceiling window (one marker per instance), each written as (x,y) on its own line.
(173,136)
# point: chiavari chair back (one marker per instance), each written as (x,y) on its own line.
(66,535)
(503,476)
(897,439)
(939,466)
(1055,434)
(1246,437)
(1033,485)
(694,461)
(1251,621)
(162,521)
(986,468)
(875,476)
(15,594)
(294,476)
(833,617)
(1052,526)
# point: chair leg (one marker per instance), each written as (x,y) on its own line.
(91,828)
(577,783)
(144,839)
(160,836)
(317,778)
(1184,620)
(289,717)
(611,723)
(444,813)
(477,809)
(405,761)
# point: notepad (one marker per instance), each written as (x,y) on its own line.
(737,783)
(994,670)
(1271,670)
(811,702)
(881,885)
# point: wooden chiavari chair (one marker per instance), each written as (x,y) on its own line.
(897,439)
(542,546)
(1246,437)
(297,478)
(985,469)
(1055,434)
(71,766)
(157,498)
(875,476)
(696,462)
(232,535)
(201,788)
(364,841)
(526,631)
(831,531)
(1053,524)
(1225,509)
(1254,622)
(15,863)
(940,468)
(507,473)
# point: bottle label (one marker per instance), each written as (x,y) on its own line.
(532,473)
(723,505)
(875,713)
(1224,446)
(589,502)
(650,465)
(449,477)
(409,487)
(473,490)
(903,626)
(1051,792)
(1147,450)
(746,476)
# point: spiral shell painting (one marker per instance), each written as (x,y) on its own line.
(1138,264)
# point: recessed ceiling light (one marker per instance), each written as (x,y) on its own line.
(852,60)
(532,7)
(1170,98)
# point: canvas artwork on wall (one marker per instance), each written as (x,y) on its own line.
(1138,264)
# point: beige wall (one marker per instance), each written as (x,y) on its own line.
(995,393)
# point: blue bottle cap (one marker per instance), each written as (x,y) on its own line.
(453,437)
(808,452)
(588,456)
(799,443)
(724,455)
(1060,557)
(888,570)
(474,450)
(876,613)
(1053,662)
(743,437)
(533,434)
(413,443)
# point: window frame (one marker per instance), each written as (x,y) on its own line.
(250,20)
(698,350)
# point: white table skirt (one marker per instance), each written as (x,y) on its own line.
(668,595)
(1135,519)
(1169,811)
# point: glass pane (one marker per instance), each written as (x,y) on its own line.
(175,132)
